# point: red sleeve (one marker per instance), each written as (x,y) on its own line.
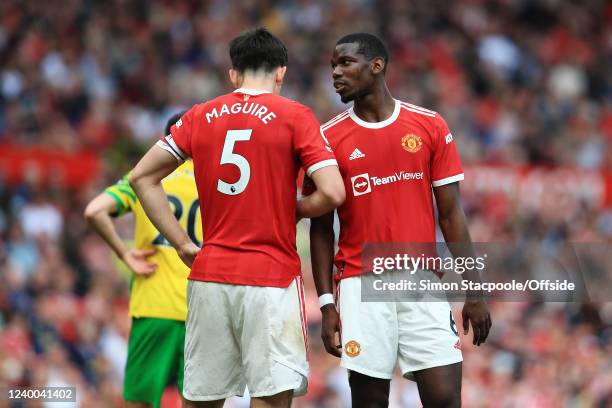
(179,139)
(445,165)
(313,151)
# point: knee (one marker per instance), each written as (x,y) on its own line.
(368,392)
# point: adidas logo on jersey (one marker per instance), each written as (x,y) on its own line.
(356,154)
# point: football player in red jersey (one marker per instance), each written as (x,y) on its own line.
(245,300)
(391,154)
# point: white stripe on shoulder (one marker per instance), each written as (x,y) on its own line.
(418,111)
(409,105)
(334,122)
(337,118)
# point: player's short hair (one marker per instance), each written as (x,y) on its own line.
(369,45)
(257,49)
(171,121)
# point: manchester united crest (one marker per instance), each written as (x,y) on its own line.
(412,143)
(352,348)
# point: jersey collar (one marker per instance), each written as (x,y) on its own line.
(376,125)
(251,92)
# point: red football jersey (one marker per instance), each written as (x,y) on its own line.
(389,169)
(247,148)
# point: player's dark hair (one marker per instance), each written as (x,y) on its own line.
(256,49)
(369,45)
(172,120)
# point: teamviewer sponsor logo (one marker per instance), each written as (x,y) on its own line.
(361,184)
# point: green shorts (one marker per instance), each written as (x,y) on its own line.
(155,359)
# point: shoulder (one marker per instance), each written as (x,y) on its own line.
(123,194)
(335,122)
(290,104)
(192,112)
(415,110)
(123,181)
(427,117)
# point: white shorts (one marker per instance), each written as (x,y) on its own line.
(238,336)
(375,335)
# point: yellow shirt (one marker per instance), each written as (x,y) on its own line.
(162,294)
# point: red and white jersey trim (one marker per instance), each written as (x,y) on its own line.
(320,165)
(252,92)
(447,180)
(168,144)
(376,125)
(417,109)
(335,120)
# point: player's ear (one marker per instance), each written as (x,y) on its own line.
(280,75)
(378,65)
(235,78)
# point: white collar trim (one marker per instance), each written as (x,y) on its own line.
(252,92)
(376,125)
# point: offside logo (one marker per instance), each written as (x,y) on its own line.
(361,184)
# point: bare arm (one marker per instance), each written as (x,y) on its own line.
(98,215)
(322,252)
(322,255)
(454,228)
(146,182)
(329,194)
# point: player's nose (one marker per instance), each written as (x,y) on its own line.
(337,72)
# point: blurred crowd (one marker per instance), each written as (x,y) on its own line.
(520,82)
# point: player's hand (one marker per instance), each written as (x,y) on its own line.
(136,260)
(330,326)
(187,252)
(477,312)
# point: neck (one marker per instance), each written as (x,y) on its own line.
(375,106)
(259,82)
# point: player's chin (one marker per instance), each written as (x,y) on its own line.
(346,97)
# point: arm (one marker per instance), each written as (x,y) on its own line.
(98,215)
(329,193)
(454,228)
(322,255)
(146,179)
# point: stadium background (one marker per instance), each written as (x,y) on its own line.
(86,86)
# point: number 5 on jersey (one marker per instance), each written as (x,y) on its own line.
(229,157)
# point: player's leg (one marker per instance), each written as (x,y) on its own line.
(150,363)
(180,361)
(430,351)
(369,392)
(440,386)
(369,339)
(272,330)
(213,367)
(280,400)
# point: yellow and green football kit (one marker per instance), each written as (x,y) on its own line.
(158,305)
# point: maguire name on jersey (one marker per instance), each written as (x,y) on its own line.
(247,108)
